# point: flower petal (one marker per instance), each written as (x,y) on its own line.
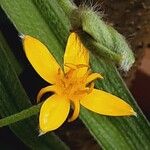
(76,53)
(53,113)
(40,58)
(106,104)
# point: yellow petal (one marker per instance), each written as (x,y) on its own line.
(76,111)
(106,104)
(53,113)
(76,53)
(40,58)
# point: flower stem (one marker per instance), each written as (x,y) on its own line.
(26,113)
(100,49)
(67,6)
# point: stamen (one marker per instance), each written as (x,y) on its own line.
(69,73)
(84,78)
(59,71)
(72,66)
(81,92)
(60,74)
(45,90)
(91,87)
(81,66)
(76,111)
(92,77)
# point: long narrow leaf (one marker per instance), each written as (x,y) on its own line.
(13,99)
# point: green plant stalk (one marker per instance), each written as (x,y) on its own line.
(14,99)
(108,41)
(99,49)
(103,52)
(26,113)
(107,36)
(68,6)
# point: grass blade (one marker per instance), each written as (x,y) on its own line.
(13,99)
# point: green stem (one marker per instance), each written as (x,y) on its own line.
(105,52)
(67,6)
(26,113)
(108,42)
(99,49)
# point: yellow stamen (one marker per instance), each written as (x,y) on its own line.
(73,66)
(76,111)
(91,87)
(92,77)
(45,90)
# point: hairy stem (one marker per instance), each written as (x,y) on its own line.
(26,113)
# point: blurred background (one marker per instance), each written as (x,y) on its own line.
(132,19)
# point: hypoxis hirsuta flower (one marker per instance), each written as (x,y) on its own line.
(72,85)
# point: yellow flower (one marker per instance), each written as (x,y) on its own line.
(72,85)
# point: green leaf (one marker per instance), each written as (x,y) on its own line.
(13,99)
(107,38)
(116,132)
(43,25)
(111,132)
(4,46)
(104,39)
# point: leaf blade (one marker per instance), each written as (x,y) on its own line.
(11,102)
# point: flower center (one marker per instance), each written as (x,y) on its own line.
(73,84)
